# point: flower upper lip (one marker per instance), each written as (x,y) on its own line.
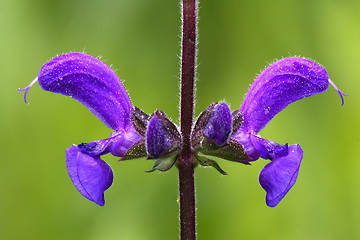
(91,82)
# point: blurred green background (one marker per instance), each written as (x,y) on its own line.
(140,39)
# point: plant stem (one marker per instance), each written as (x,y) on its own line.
(186,163)
(187,202)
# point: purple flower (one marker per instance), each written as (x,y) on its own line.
(280,84)
(217,132)
(97,87)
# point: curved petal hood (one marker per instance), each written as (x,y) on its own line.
(280,84)
(91,82)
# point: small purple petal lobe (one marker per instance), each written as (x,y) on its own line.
(91,82)
(269,149)
(90,175)
(218,127)
(123,141)
(244,139)
(280,175)
(118,144)
(96,148)
(281,83)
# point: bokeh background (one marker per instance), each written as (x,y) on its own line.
(141,39)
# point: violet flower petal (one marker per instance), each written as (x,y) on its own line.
(91,82)
(118,144)
(280,84)
(218,127)
(96,148)
(244,139)
(269,149)
(123,141)
(280,175)
(90,175)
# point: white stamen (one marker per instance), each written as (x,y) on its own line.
(338,90)
(28,88)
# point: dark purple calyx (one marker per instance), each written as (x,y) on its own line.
(162,136)
(163,141)
(212,136)
(213,127)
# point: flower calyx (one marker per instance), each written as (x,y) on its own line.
(212,136)
(139,121)
(161,139)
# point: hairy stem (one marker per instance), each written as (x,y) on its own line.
(187,202)
(186,162)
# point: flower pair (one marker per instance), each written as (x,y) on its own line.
(218,131)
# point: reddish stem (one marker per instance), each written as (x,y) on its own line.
(186,162)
